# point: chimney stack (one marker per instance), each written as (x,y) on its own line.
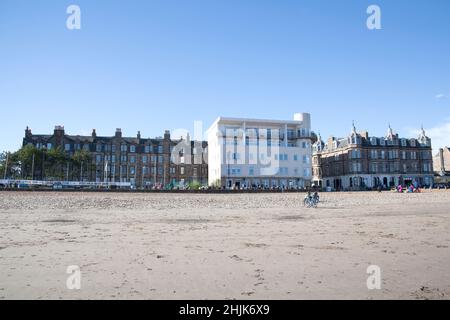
(28,133)
(94,133)
(59,135)
(139,135)
(118,133)
(167,135)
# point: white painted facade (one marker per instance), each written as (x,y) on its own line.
(244,153)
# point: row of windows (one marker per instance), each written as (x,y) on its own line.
(123,148)
(277,156)
(112,148)
(390,167)
(269,143)
(389,154)
(382,142)
(265,133)
(281,171)
(123,170)
(132,159)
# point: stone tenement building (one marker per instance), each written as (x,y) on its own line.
(359,161)
(141,162)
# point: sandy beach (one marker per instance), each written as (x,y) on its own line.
(224,246)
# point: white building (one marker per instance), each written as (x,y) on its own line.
(245,153)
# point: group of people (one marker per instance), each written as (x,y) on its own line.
(414,187)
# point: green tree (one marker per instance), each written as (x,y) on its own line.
(195,185)
(54,164)
(81,164)
(10,163)
(27,158)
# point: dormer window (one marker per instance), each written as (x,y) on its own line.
(373,141)
(403,142)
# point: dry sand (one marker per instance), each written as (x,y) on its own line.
(239,246)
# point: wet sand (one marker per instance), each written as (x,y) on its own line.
(218,246)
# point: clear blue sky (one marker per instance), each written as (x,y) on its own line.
(155,65)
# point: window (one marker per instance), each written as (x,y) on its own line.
(148,149)
(123,158)
(373,167)
(355,154)
(113,148)
(160,159)
(123,148)
(413,155)
(133,159)
(49,146)
(145,170)
(355,167)
(290,133)
(182,170)
(235,170)
(113,159)
(144,159)
(98,148)
(251,171)
(305,159)
(98,158)
(295,157)
(132,149)
(306,172)
(303,132)
(67,147)
(160,149)
(132,170)
(153,158)
(403,142)
(373,154)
